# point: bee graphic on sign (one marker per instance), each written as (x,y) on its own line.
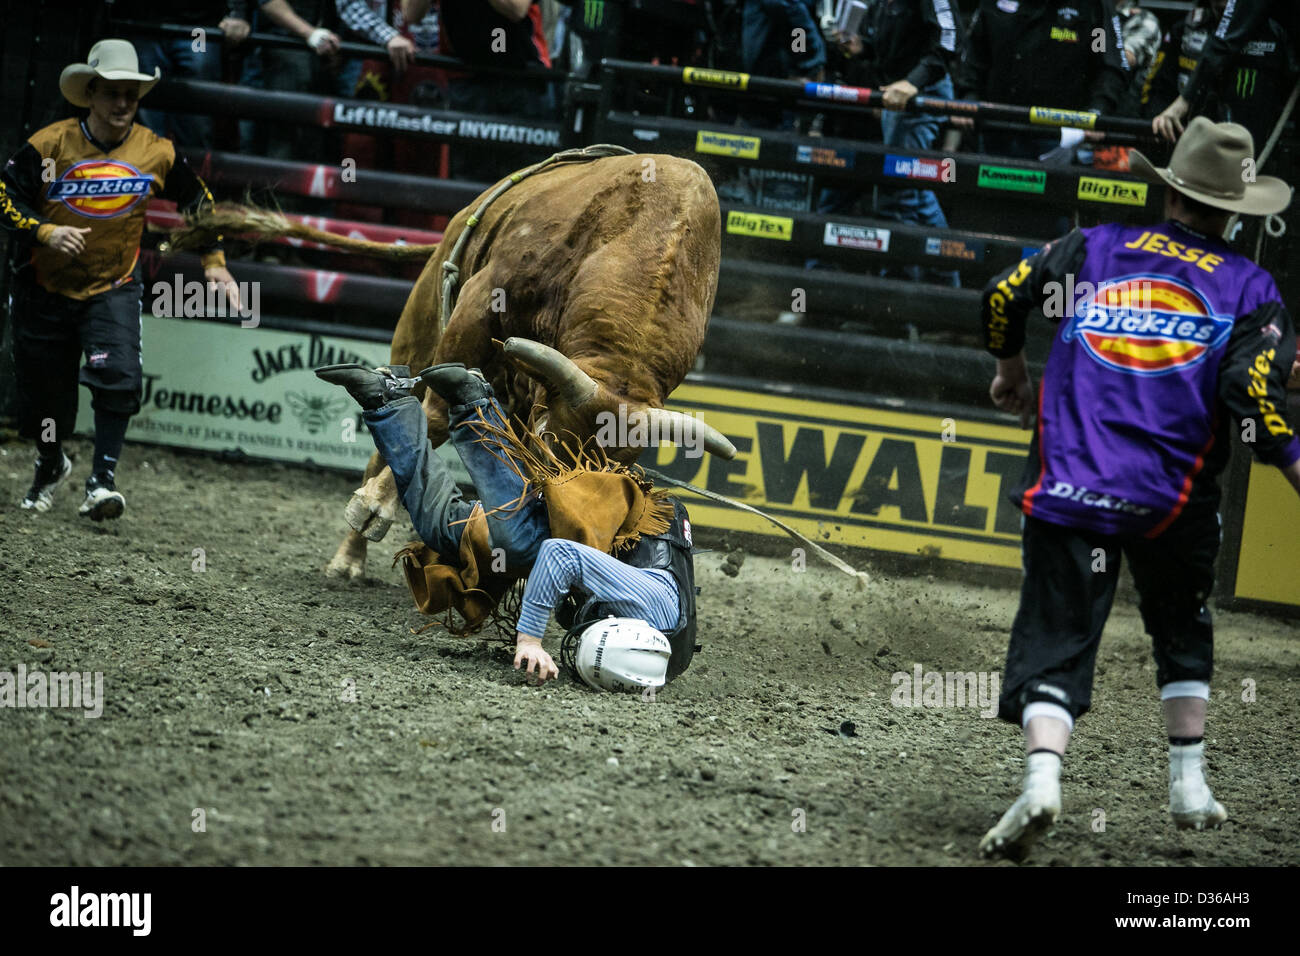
(315,411)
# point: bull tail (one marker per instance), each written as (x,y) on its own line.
(201,229)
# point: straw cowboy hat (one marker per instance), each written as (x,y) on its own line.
(109,60)
(1209,165)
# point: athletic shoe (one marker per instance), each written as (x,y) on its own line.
(48,478)
(1195,811)
(1191,803)
(102,500)
(1032,815)
(371,387)
(457,385)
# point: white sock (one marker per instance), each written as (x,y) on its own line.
(1187,786)
(1042,771)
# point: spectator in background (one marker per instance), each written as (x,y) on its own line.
(1041,53)
(780,38)
(1141,31)
(904,47)
(1250,89)
(382,22)
(1241,21)
(491,33)
(312,70)
(176,56)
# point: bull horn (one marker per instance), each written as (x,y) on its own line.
(664,422)
(573,386)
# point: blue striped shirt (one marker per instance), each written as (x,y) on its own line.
(562,565)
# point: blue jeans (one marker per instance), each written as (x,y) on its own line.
(177,58)
(909,131)
(430,494)
(904,131)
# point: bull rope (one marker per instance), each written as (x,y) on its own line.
(451,266)
(1275,225)
(861,577)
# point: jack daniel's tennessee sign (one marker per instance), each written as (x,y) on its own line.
(217,386)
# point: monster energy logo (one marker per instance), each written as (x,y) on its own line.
(593,13)
(1246,82)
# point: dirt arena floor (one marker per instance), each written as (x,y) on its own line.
(225,691)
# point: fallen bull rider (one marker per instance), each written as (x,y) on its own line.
(592,534)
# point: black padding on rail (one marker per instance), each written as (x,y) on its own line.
(355,116)
(889,303)
(865,244)
(855,161)
(424,193)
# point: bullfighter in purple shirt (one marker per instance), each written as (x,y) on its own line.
(1170,346)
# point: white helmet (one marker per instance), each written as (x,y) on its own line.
(619,654)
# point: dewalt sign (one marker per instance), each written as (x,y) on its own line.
(856,475)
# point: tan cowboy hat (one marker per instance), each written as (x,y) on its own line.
(109,60)
(1209,165)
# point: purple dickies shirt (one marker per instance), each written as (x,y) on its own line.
(1130,393)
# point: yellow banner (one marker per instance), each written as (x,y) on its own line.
(856,476)
(727,144)
(723,78)
(1270,548)
(1046,116)
(760,225)
(1118,191)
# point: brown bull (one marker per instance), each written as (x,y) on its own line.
(600,276)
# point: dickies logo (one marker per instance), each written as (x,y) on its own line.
(101,188)
(1148,325)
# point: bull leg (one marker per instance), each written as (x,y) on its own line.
(349,560)
(374,506)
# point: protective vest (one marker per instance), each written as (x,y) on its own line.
(671,552)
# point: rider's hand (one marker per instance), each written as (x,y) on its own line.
(529,649)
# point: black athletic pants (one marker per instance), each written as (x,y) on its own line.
(52,334)
(1068,589)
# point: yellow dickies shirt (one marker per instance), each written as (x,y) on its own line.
(83,185)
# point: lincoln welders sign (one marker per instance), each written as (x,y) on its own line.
(221,387)
(856,475)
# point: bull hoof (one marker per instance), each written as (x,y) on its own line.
(346,568)
(365,521)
